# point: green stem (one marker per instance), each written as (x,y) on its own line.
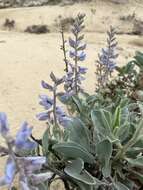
(64,50)
(76,65)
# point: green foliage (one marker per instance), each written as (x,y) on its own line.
(102,146)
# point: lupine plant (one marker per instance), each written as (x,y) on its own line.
(97,144)
(106,62)
(73,70)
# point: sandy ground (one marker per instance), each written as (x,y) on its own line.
(26,59)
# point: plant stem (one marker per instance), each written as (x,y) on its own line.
(62,175)
(54,106)
(76,65)
(64,50)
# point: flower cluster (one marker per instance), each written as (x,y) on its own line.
(106,62)
(54,114)
(26,167)
(74,73)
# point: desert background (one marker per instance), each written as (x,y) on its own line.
(27,58)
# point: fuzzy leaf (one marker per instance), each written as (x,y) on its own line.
(79,133)
(75,169)
(104,152)
(73,150)
(102,123)
(138,162)
(121,186)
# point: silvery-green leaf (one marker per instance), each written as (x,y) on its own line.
(75,169)
(79,133)
(73,150)
(120,186)
(117,118)
(45,142)
(138,162)
(104,153)
(102,123)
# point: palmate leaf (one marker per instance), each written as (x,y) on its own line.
(73,150)
(104,153)
(75,169)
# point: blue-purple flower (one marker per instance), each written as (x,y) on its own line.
(22,140)
(32,164)
(46,85)
(82,70)
(43,116)
(107,59)
(77,54)
(46,101)
(62,117)
(10,171)
(4,129)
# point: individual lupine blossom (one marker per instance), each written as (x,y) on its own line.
(77,54)
(26,167)
(106,63)
(54,114)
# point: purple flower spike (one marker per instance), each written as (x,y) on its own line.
(10,171)
(46,101)
(3,124)
(106,62)
(22,138)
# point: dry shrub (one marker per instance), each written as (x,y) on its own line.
(9,24)
(65,22)
(138,27)
(130,17)
(119,1)
(37,29)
